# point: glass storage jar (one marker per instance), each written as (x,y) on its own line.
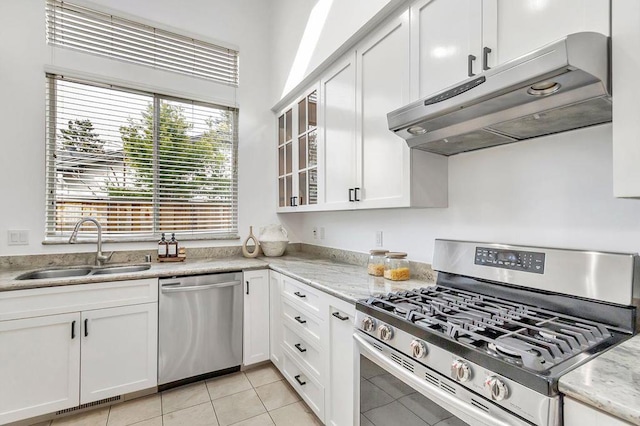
(375,266)
(396,267)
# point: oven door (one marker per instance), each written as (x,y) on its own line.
(394,390)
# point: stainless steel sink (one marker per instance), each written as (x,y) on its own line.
(76,271)
(55,273)
(119,269)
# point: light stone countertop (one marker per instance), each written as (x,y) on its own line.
(610,382)
(345,281)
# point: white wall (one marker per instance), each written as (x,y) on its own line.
(23,55)
(306,32)
(553,191)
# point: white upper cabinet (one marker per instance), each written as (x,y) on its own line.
(514,28)
(447,42)
(384,85)
(457,39)
(338,134)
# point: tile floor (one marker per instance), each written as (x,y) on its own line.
(256,397)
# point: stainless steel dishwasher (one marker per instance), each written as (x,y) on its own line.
(200,327)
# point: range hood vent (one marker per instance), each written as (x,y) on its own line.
(562,86)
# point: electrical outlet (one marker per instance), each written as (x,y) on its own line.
(315,232)
(379,239)
(18,237)
(322,232)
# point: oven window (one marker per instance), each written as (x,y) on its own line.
(387,401)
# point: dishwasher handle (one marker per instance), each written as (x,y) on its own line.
(172,289)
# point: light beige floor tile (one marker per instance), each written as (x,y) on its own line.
(156,421)
(263,375)
(184,397)
(198,415)
(227,385)
(237,407)
(134,411)
(96,417)
(276,395)
(296,414)
(261,420)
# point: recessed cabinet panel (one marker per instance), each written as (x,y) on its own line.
(384,72)
(40,366)
(523,26)
(339,133)
(449,40)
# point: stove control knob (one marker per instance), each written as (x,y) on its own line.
(418,348)
(497,388)
(385,332)
(460,371)
(369,324)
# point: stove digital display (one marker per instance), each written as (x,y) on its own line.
(525,261)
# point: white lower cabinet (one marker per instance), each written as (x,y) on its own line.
(340,392)
(74,355)
(40,365)
(579,414)
(312,345)
(119,351)
(256,317)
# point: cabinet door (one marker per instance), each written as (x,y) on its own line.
(338,117)
(285,159)
(341,364)
(383,71)
(256,317)
(40,366)
(275,318)
(307,149)
(119,351)
(513,28)
(578,414)
(444,35)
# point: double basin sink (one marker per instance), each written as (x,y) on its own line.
(81,271)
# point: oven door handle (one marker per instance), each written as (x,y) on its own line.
(467,412)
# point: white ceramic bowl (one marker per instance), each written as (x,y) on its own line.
(273,248)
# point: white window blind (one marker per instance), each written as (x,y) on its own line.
(87,30)
(140,163)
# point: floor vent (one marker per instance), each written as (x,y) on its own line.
(479,405)
(90,404)
(448,388)
(431,379)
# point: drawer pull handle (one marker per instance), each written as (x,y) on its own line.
(299,347)
(300,295)
(73,329)
(300,320)
(86,327)
(340,317)
(300,382)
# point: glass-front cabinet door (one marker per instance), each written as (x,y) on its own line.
(308,150)
(298,153)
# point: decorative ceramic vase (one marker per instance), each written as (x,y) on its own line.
(256,246)
(273,240)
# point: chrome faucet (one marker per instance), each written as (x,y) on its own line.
(101,258)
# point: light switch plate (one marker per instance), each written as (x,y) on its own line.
(17,237)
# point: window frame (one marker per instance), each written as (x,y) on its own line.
(52,236)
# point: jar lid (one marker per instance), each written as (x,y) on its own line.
(378,251)
(396,255)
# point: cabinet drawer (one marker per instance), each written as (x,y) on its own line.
(302,322)
(308,388)
(305,352)
(72,298)
(302,294)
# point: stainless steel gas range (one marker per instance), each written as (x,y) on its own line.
(488,343)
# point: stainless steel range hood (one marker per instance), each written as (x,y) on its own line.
(562,86)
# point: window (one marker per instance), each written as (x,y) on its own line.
(79,28)
(140,163)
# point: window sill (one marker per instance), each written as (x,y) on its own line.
(180,238)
